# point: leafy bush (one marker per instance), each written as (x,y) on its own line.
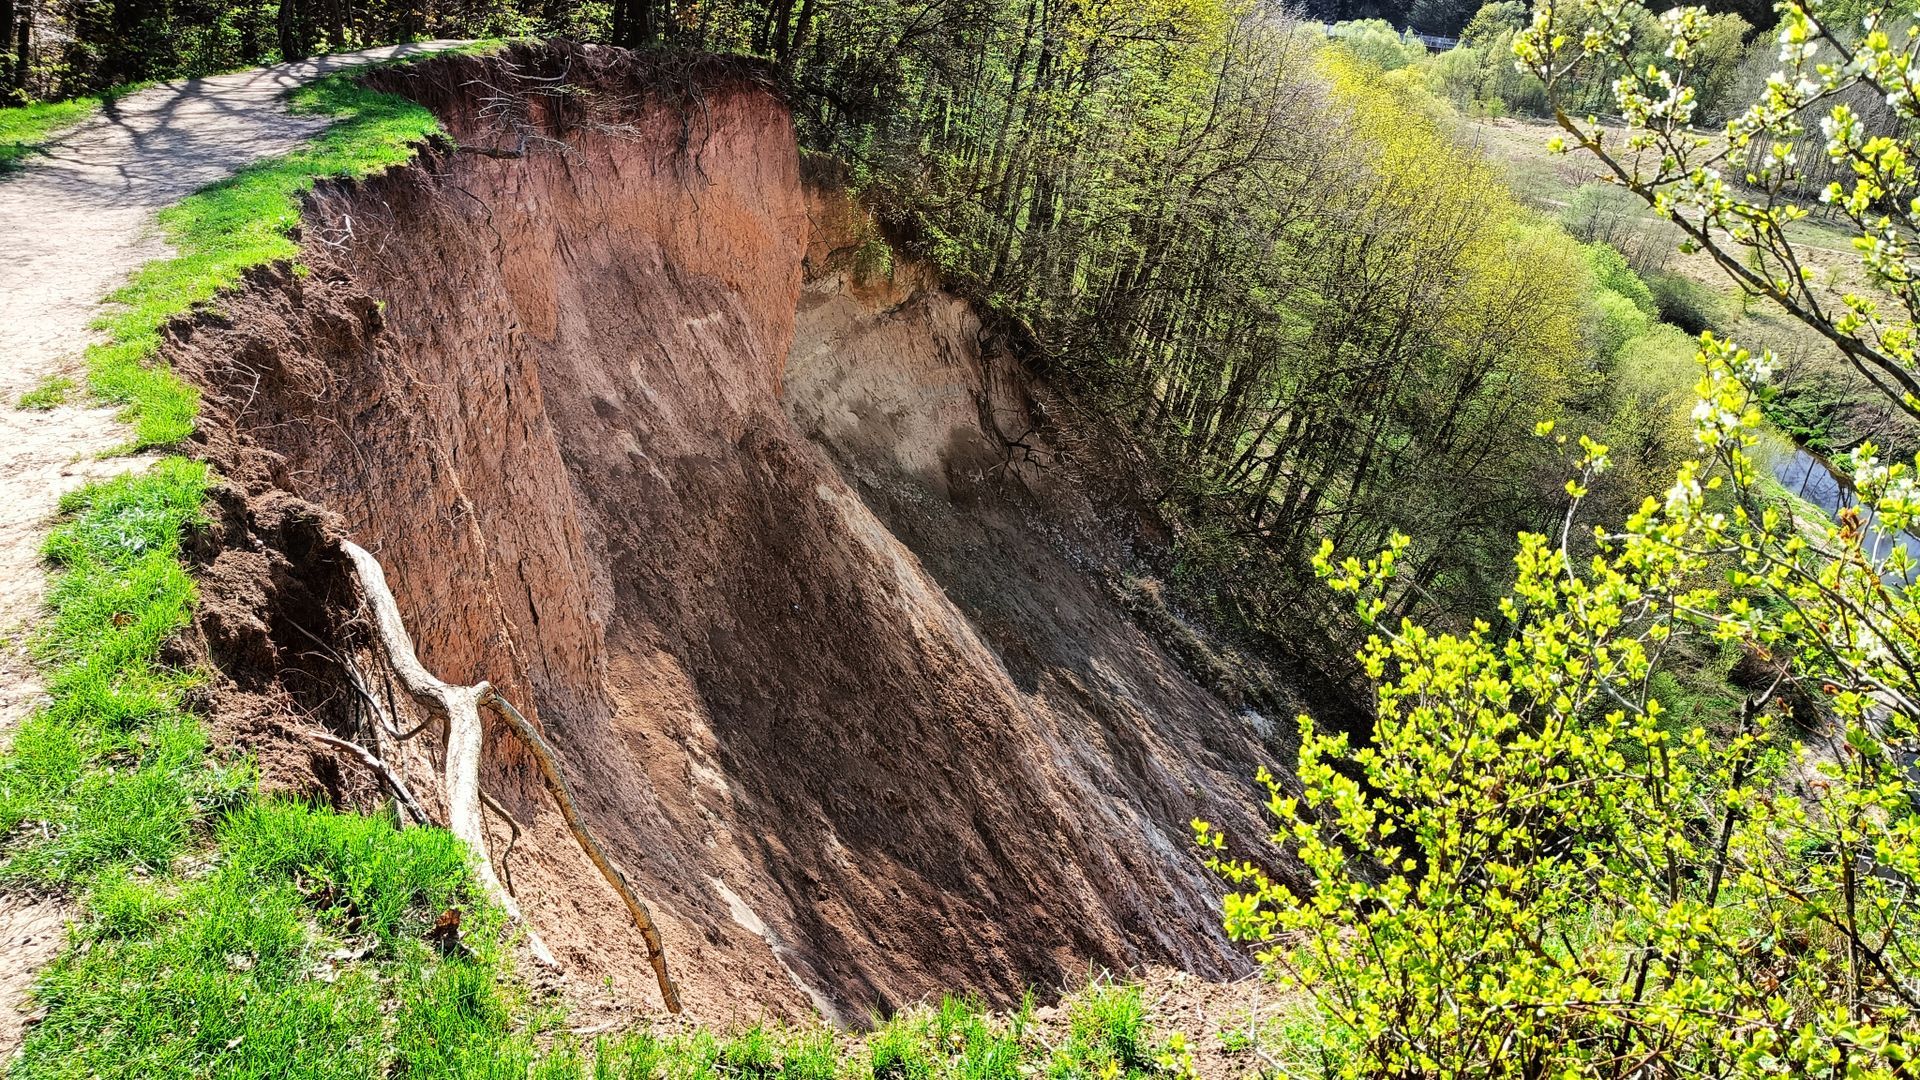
(1376,42)
(1495,22)
(1481,79)
(1535,870)
(1611,272)
(1612,322)
(1686,303)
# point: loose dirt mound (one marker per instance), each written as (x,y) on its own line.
(766,548)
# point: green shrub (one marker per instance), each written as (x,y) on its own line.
(750,1055)
(1611,272)
(1686,303)
(1537,867)
(900,1050)
(1612,322)
(1378,43)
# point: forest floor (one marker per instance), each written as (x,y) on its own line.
(79,218)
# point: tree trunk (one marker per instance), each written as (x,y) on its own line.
(10,66)
(23,53)
(251,26)
(128,56)
(791,58)
(293,42)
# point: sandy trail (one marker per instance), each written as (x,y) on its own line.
(74,223)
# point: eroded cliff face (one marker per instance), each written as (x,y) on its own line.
(768,546)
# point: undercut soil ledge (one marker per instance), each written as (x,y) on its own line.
(779,556)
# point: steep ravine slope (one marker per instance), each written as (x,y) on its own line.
(739,526)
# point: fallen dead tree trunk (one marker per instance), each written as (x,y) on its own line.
(460,705)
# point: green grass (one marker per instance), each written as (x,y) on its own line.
(53,390)
(223,933)
(1108,1035)
(226,229)
(26,129)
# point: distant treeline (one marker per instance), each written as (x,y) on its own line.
(63,48)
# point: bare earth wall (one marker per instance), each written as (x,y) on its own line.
(740,528)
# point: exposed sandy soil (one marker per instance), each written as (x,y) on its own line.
(833,666)
(32,929)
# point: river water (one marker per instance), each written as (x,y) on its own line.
(1814,480)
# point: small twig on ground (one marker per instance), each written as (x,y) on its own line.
(513,836)
(550,768)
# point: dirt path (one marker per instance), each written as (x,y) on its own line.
(76,221)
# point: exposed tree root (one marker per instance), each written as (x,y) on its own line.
(461,706)
(550,767)
(394,784)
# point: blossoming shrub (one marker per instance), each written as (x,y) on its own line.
(1532,870)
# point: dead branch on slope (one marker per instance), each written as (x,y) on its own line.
(394,784)
(643,918)
(461,707)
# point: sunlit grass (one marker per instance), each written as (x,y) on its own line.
(25,130)
(52,391)
(224,230)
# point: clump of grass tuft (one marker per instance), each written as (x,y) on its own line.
(902,1049)
(635,1056)
(752,1054)
(51,392)
(810,1054)
(1108,1036)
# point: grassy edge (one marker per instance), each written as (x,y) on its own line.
(26,129)
(109,788)
(228,228)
